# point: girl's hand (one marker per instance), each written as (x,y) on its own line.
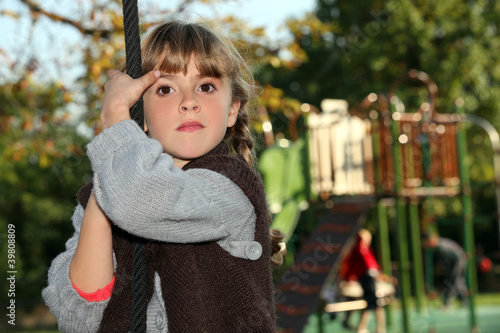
(121,92)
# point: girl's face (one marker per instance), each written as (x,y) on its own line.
(189,114)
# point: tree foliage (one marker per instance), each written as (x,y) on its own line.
(349,49)
(49,110)
(41,166)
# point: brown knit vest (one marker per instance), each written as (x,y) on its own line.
(205,288)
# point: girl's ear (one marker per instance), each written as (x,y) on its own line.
(233,113)
(146,128)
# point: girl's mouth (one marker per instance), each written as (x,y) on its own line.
(190,126)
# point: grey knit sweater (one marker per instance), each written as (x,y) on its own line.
(142,192)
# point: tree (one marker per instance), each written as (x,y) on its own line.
(41,164)
(355,48)
(349,49)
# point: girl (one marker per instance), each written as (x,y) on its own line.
(203,212)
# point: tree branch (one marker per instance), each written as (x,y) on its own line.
(36,9)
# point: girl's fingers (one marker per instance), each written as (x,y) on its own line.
(112,72)
(121,92)
(141,83)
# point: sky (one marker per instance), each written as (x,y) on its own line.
(50,39)
(53,45)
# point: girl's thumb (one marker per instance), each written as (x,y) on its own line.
(149,78)
(154,76)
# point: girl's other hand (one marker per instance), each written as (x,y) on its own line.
(121,92)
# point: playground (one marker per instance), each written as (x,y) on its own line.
(341,170)
(396,160)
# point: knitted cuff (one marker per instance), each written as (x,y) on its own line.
(112,139)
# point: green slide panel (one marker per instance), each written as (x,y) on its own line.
(283,173)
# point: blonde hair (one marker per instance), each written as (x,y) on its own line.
(278,247)
(170,46)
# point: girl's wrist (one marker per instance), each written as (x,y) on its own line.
(109,118)
(99,295)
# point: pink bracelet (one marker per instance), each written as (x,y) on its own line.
(99,295)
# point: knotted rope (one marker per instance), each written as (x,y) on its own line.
(133,52)
(134,70)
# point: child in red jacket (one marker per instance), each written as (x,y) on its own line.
(361,265)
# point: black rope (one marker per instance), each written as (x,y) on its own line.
(139,289)
(134,70)
(133,52)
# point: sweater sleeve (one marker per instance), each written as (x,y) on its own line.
(142,192)
(73,313)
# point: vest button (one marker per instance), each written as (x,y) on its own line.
(253,250)
(160,320)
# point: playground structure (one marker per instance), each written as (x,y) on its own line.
(341,167)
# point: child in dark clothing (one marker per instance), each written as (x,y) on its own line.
(452,257)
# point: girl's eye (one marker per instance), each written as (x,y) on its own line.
(206,88)
(165,90)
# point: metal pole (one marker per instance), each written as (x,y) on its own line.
(385,248)
(495,144)
(403,260)
(409,154)
(418,273)
(429,227)
(468,218)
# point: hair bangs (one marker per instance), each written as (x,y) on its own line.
(170,47)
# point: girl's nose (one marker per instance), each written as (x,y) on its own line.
(189,108)
(189,103)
